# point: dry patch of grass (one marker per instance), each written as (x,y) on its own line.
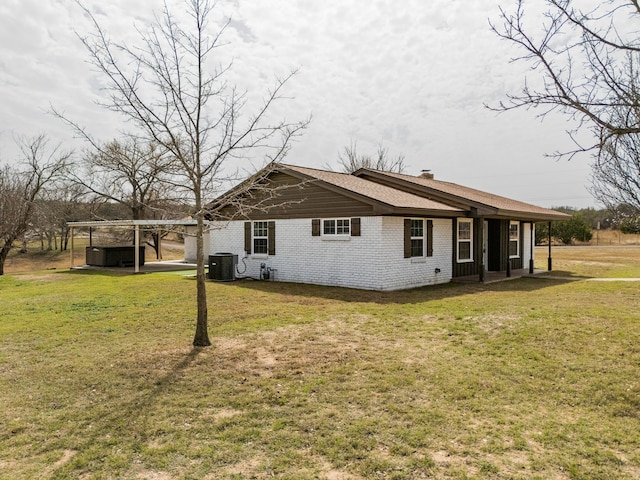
(37,259)
(611,262)
(526,379)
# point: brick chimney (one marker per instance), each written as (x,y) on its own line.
(426,174)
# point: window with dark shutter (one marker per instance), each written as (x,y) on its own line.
(407,238)
(336,226)
(429,238)
(272,238)
(315,227)
(247,237)
(355,227)
(261,238)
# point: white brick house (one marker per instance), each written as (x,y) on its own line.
(370,230)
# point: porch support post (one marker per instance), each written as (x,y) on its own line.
(531,239)
(136,241)
(549,262)
(480,221)
(71,249)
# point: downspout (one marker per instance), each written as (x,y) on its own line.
(531,248)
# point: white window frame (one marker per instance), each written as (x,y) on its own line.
(339,230)
(422,237)
(464,240)
(517,239)
(264,237)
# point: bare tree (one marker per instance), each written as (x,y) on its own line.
(20,187)
(615,179)
(172,90)
(587,62)
(55,208)
(586,66)
(350,160)
(131,172)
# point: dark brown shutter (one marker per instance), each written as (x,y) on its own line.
(355,227)
(407,238)
(429,238)
(315,227)
(247,237)
(271,239)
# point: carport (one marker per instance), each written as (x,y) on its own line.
(135,225)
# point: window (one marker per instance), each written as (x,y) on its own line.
(260,237)
(514,239)
(336,227)
(417,238)
(465,240)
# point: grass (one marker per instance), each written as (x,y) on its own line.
(583,261)
(525,379)
(38,259)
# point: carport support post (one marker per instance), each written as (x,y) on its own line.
(136,240)
(549,262)
(71,249)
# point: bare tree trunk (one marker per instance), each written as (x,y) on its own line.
(201,338)
(4,251)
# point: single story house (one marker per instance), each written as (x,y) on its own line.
(371,229)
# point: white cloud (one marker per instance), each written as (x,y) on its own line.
(413,75)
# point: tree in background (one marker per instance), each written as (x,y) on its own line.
(566,231)
(586,66)
(630,225)
(131,172)
(20,188)
(175,91)
(54,209)
(350,160)
(616,173)
(573,229)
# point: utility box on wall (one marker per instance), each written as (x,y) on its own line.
(222,267)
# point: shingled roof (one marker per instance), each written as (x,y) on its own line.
(386,193)
(371,190)
(475,201)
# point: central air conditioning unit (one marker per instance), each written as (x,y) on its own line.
(222,267)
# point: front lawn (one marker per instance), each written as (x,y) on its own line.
(529,378)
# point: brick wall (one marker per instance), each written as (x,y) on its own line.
(372,261)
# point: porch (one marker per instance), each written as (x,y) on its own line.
(492,277)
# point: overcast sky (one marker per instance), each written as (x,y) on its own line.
(412,75)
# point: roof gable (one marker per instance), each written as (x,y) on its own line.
(369,191)
(289,191)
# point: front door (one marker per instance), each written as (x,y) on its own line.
(494,245)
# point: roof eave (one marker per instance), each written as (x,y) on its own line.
(533,216)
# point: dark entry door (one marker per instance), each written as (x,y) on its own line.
(494,245)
